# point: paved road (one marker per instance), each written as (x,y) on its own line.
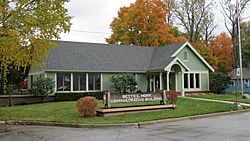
(224,128)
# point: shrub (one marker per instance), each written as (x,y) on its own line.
(172,96)
(76,96)
(124,82)
(219,80)
(87,106)
(42,87)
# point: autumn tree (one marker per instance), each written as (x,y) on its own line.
(196,17)
(204,50)
(230,21)
(26,28)
(221,51)
(143,23)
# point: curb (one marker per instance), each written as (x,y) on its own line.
(138,124)
(72,125)
(147,123)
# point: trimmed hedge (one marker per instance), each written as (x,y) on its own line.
(76,96)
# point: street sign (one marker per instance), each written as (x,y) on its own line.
(238,72)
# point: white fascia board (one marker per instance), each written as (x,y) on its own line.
(168,67)
(89,71)
(183,64)
(196,52)
(36,73)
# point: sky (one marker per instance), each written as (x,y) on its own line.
(92,18)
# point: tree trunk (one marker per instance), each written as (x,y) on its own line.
(2,82)
(10,95)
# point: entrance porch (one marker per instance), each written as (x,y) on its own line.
(170,79)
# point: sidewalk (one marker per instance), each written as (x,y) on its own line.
(221,101)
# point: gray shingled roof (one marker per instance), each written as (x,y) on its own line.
(107,57)
(162,56)
(245,71)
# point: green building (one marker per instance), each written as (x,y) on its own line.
(83,67)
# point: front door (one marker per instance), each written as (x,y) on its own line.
(157,83)
(172,81)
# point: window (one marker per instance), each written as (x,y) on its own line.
(197,80)
(191,80)
(185,57)
(94,81)
(246,83)
(185,80)
(157,81)
(79,82)
(63,81)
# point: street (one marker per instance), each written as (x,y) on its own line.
(223,128)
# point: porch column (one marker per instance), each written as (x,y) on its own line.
(167,80)
(182,84)
(154,83)
(161,81)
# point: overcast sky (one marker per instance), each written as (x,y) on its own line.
(92,18)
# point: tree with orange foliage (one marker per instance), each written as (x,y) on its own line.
(203,50)
(221,51)
(143,23)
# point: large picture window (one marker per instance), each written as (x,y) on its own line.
(79,82)
(63,81)
(94,81)
(191,80)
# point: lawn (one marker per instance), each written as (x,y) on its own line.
(66,112)
(226,97)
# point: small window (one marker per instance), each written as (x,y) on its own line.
(185,56)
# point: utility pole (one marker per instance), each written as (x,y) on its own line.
(238,11)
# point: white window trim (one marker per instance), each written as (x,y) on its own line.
(87,82)
(101,82)
(95,83)
(78,82)
(192,89)
(55,90)
(71,84)
(185,53)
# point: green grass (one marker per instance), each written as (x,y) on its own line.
(226,97)
(66,112)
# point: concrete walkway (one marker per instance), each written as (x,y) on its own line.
(221,101)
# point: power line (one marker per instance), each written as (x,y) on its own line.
(94,32)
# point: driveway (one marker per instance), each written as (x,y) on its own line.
(223,128)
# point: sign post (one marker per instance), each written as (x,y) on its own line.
(237,105)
